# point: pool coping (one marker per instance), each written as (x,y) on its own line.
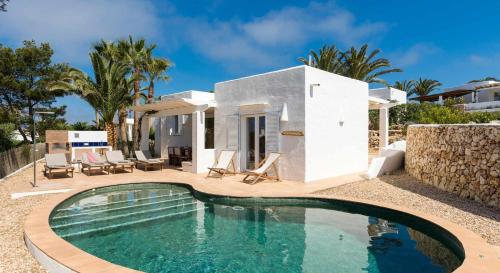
(58,255)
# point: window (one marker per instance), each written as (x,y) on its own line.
(496,97)
(209,132)
(177,125)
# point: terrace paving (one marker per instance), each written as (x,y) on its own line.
(399,189)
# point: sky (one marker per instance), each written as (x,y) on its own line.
(212,41)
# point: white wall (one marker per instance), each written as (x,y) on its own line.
(163,130)
(388,93)
(202,158)
(87,136)
(190,94)
(274,89)
(336,125)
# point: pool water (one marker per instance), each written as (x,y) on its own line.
(156,227)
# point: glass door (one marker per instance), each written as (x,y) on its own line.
(255,147)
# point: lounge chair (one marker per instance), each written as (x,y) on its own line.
(221,166)
(262,172)
(94,161)
(142,159)
(57,162)
(116,159)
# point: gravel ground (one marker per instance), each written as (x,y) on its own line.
(14,256)
(403,190)
(399,189)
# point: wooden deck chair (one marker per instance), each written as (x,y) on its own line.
(143,160)
(116,159)
(57,162)
(262,172)
(221,166)
(97,163)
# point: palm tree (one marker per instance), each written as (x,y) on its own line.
(134,54)
(329,59)
(107,92)
(110,51)
(155,69)
(424,87)
(406,85)
(362,66)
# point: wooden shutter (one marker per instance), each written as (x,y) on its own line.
(272,132)
(232,129)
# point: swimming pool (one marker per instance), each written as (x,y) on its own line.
(159,227)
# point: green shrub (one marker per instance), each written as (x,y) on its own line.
(7,136)
(430,113)
(437,114)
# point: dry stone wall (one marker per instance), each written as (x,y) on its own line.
(463,159)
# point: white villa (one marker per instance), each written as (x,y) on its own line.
(317,120)
(478,96)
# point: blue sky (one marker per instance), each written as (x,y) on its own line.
(211,41)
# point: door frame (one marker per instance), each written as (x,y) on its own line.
(243,138)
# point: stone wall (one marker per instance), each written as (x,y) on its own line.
(463,159)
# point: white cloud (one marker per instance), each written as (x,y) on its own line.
(492,60)
(71,26)
(275,37)
(413,55)
(269,41)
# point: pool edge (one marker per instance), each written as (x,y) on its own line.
(479,255)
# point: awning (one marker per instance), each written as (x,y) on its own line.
(254,108)
(376,103)
(174,107)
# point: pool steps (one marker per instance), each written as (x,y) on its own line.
(96,220)
(124,201)
(93,212)
(129,223)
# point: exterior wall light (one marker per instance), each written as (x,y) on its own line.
(311,88)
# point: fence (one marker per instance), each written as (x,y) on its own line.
(14,159)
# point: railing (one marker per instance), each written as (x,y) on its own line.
(475,106)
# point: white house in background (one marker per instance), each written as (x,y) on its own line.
(317,120)
(478,96)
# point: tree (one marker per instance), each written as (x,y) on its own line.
(111,51)
(134,54)
(485,79)
(81,126)
(107,92)
(3,5)
(361,65)
(328,59)
(424,87)
(156,69)
(406,85)
(24,76)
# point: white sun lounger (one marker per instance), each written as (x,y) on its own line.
(223,163)
(262,172)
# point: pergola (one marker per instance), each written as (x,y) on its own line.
(383,99)
(183,106)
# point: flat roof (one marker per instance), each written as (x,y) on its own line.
(171,104)
(445,95)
